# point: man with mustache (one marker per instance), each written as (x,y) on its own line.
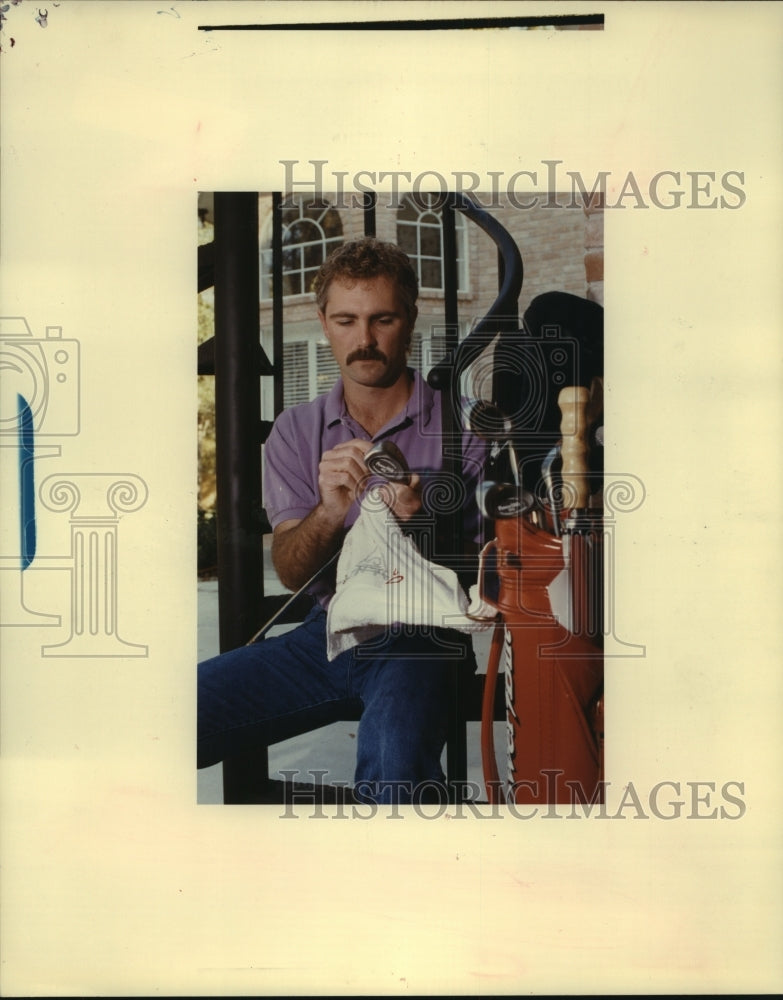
(315,476)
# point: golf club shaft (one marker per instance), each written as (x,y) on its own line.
(546,473)
(284,607)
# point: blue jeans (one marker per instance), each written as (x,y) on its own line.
(284,685)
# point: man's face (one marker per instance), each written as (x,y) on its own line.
(369,330)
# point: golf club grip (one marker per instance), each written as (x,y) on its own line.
(573,402)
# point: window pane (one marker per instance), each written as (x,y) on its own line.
(313,255)
(430,274)
(406,237)
(308,277)
(430,241)
(331,223)
(292,259)
(302,231)
(292,283)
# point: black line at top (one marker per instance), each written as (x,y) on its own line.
(445,24)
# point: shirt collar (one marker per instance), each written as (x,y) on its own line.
(420,404)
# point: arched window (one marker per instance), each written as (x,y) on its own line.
(311,230)
(420,236)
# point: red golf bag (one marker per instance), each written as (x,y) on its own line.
(553,663)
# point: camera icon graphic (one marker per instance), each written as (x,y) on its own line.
(44,373)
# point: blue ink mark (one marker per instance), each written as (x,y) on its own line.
(26,482)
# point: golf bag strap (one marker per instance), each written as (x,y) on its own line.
(489,761)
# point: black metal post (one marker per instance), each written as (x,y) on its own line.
(456,746)
(277,301)
(237,411)
(238,457)
(451,308)
(370,201)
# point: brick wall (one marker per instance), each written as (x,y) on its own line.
(561,247)
(594,249)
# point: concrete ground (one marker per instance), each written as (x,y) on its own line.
(331,748)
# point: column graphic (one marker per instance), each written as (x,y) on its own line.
(95,502)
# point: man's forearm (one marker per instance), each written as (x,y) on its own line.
(299,551)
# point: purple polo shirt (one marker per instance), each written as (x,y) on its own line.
(303,433)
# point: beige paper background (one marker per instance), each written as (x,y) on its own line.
(114,882)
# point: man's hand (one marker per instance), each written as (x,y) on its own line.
(299,548)
(342,476)
(403,500)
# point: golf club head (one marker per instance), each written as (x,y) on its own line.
(488,422)
(500,501)
(386,460)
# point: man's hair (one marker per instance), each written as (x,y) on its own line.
(360,260)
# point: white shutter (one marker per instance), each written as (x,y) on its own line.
(327,369)
(296,377)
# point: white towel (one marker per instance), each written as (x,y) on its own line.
(383,579)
